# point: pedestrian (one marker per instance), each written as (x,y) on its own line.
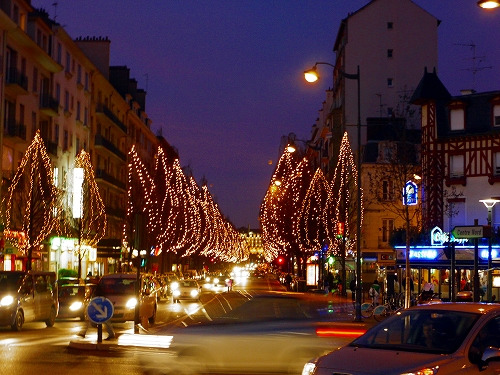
(229,284)
(107,324)
(374,292)
(288,281)
(352,286)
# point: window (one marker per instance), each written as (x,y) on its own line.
(387,229)
(390,25)
(496,115)
(390,111)
(456,166)
(34,126)
(496,170)
(457,119)
(66,101)
(390,82)
(59,53)
(78,110)
(387,190)
(79,74)
(65,140)
(58,92)
(67,68)
(56,134)
(390,53)
(35,80)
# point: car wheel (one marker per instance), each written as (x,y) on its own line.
(52,317)
(18,322)
(152,318)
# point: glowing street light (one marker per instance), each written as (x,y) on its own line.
(489,4)
(489,203)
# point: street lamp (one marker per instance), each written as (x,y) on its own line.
(309,76)
(489,4)
(489,204)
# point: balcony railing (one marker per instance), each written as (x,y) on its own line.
(15,77)
(49,104)
(100,173)
(51,147)
(101,141)
(103,109)
(14,129)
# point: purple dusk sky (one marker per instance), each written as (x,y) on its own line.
(224,79)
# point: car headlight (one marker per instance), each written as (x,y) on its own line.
(194,293)
(216,281)
(174,285)
(424,371)
(207,279)
(7,301)
(131,303)
(176,293)
(75,306)
(309,368)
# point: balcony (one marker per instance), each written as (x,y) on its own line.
(49,105)
(103,142)
(116,212)
(15,131)
(104,111)
(16,83)
(51,147)
(101,174)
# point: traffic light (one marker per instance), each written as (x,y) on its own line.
(281,260)
(340,229)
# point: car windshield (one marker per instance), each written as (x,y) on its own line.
(120,286)
(10,281)
(425,331)
(71,291)
(188,284)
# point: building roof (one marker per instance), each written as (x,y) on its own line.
(430,88)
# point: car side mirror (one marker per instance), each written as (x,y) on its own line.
(490,354)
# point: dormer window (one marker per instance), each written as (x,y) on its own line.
(457,119)
(496,115)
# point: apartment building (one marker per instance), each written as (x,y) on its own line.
(63,88)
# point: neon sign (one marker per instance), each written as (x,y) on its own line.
(410,195)
(423,254)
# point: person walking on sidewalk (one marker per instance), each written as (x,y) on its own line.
(374,292)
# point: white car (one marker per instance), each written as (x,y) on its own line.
(187,289)
(437,339)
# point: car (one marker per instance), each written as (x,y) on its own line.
(273,332)
(444,338)
(27,296)
(73,299)
(188,289)
(120,289)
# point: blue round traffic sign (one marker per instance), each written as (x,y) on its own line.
(100,310)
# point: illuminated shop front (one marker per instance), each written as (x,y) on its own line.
(64,254)
(432,263)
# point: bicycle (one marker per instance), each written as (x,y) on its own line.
(367,309)
(383,311)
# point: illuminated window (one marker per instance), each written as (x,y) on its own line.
(456,166)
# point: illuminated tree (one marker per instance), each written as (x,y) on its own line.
(31,199)
(88,218)
(341,215)
(140,201)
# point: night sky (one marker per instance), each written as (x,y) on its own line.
(224,79)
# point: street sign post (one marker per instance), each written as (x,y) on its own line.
(100,310)
(471,231)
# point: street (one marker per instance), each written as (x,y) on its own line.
(40,350)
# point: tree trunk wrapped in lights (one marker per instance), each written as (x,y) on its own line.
(31,199)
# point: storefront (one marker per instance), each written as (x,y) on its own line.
(432,263)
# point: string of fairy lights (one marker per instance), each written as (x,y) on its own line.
(181,217)
(302,211)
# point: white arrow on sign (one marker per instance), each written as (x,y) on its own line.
(102,313)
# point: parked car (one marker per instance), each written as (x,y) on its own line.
(270,333)
(73,300)
(445,338)
(188,289)
(27,296)
(119,288)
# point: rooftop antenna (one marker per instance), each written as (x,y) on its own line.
(476,62)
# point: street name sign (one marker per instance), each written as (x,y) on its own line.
(472,231)
(100,310)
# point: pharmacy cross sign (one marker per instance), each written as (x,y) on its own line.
(100,310)
(472,231)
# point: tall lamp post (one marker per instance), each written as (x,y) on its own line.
(310,75)
(489,204)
